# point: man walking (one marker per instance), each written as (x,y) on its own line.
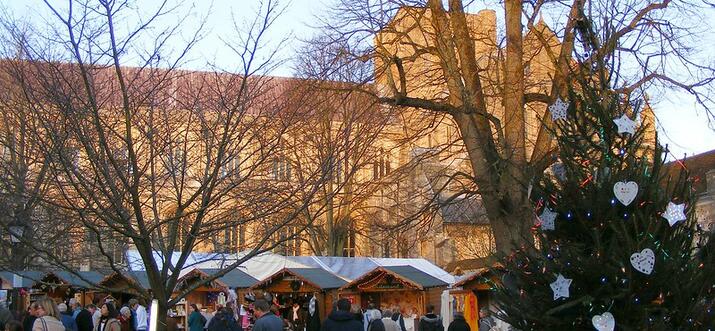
(340,319)
(82,316)
(265,319)
(430,321)
(140,316)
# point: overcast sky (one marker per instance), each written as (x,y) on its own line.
(680,126)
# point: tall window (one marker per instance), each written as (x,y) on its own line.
(382,166)
(349,249)
(232,167)
(281,169)
(230,239)
(176,160)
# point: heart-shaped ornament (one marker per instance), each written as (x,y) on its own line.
(643,261)
(604,322)
(625,192)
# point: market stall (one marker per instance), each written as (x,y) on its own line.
(227,289)
(469,294)
(301,285)
(388,286)
(121,287)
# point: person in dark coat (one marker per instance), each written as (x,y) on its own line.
(340,319)
(313,318)
(375,320)
(430,321)
(82,316)
(66,318)
(266,320)
(31,317)
(196,320)
(223,321)
(459,323)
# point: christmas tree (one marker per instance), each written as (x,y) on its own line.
(617,245)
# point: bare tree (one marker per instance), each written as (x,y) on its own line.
(494,83)
(150,157)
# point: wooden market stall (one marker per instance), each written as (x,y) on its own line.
(18,287)
(472,293)
(301,285)
(210,293)
(122,287)
(388,286)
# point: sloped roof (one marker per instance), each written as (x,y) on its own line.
(467,210)
(29,278)
(316,277)
(321,277)
(267,264)
(698,165)
(417,276)
(91,278)
(418,279)
(233,279)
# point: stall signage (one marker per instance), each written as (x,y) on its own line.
(389,285)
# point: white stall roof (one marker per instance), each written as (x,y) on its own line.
(266,264)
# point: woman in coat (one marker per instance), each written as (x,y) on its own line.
(196,320)
(108,320)
(48,316)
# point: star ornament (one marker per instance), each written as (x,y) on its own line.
(558,109)
(625,125)
(674,213)
(561,287)
(547,219)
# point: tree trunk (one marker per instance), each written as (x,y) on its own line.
(161,316)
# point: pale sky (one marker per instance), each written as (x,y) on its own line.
(679,125)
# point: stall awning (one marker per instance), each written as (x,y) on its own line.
(83,279)
(395,278)
(233,279)
(316,277)
(137,277)
(29,278)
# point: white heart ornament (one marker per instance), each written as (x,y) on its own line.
(625,192)
(604,322)
(643,261)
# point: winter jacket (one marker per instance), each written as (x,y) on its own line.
(141,318)
(486,323)
(223,321)
(430,322)
(5,316)
(196,321)
(84,320)
(376,325)
(459,324)
(47,323)
(339,320)
(69,322)
(268,322)
(111,324)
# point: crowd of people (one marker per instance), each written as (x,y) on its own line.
(261,314)
(46,315)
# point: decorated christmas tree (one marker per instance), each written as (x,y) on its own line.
(617,245)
